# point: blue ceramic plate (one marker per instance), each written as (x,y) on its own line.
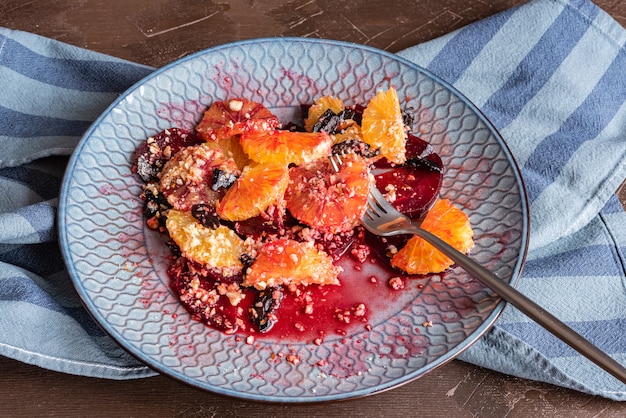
(118,265)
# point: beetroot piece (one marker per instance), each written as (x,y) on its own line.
(413,187)
(275,221)
(214,310)
(154,152)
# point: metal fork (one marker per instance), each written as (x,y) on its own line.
(381,218)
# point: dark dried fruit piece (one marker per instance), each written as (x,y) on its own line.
(247,260)
(408,117)
(206,215)
(173,247)
(222,179)
(330,122)
(155,206)
(355,146)
(262,310)
(428,163)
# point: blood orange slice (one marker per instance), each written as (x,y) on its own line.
(382,126)
(286,147)
(327,200)
(231,147)
(292,263)
(233,117)
(258,187)
(448,223)
(187,178)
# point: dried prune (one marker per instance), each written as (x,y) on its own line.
(222,179)
(354,146)
(247,260)
(407,116)
(206,215)
(155,206)
(262,310)
(174,248)
(429,163)
(330,121)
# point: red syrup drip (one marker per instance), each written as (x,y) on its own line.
(315,314)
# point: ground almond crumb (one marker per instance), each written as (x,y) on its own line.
(293,359)
(396,283)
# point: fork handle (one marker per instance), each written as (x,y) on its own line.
(527,306)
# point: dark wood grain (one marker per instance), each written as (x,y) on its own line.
(156,32)
(159,31)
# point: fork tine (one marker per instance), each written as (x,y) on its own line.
(377,201)
(371,213)
(371,207)
(335,161)
(377,205)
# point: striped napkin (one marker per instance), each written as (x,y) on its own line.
(49,94)
(549,75)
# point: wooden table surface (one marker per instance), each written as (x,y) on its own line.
(156,32)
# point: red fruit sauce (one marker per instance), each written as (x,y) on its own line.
(371,290)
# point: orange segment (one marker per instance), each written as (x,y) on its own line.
(448,223)
(289,262)
(255,190)
(318,108)
(329,201)
(231,147)
(286,147)
(382,126)
(186,178)
(227,118)
(219,249)
(351,131)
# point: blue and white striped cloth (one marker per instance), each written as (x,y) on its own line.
(550,74)
(49,94)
